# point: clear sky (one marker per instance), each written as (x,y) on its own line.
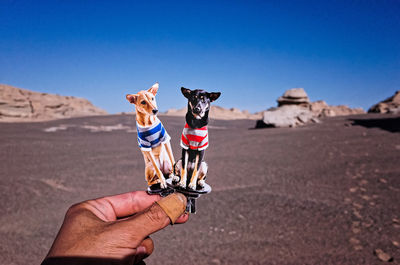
(344,52)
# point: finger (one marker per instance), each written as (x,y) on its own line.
(155,218)
(118,206)
(144,249)
(182,219)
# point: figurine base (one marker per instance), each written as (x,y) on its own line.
(155,189)
(190,194)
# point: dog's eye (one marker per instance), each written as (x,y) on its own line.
(143,102)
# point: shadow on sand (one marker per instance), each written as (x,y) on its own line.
(387,124)
(89,261)
(261,125)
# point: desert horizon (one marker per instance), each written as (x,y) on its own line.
(19,105)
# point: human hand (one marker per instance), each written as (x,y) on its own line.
(114,229)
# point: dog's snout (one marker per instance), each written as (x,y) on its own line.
(155,111)
(196,110)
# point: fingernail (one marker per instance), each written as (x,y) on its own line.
(141,250)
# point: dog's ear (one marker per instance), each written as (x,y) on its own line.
(132,98)
(153,90)
(186,92)
(213,96)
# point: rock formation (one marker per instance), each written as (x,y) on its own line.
(294,96)
(219,113)
(295,108)
(286,116)
(389,105)
(23,105)
(321,109)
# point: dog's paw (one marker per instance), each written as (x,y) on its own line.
(182,184)
(175,178)
(192,186)
(163,185)
(201,183)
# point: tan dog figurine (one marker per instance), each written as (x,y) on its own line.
(153,139)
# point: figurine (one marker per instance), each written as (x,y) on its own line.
(153,140)
(194,140)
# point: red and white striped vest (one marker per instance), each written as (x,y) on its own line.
(194,139)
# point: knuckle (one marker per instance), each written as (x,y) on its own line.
(74,209)
(155,215)
(77,209)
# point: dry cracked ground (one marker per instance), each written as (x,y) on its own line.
(325,193)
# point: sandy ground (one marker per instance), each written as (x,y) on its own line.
(322,194)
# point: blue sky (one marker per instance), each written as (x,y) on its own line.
(344,52)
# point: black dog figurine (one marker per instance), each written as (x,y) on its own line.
(194,140)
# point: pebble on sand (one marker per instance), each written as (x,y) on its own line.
(366,197)
(354,189)
(354,241)
(358,247)
(396,222)
(367,224)
(382,180)
(357,214)
(363,182)
(383,255)
(216,261)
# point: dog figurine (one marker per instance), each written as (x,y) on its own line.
(153,139)
(194,139)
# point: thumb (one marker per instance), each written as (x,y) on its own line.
(156,217)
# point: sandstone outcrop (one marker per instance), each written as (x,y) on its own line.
(294,96)
(321,109)
(389,105)
(286,116)
(23,105)
(219,113)
(295,109)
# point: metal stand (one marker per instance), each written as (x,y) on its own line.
(191,195)
(161,192)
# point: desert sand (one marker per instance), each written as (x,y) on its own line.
(325,193)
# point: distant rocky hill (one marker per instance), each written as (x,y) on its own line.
(219,113)
(294,108)
(322,109)
(389,105)
(23,105)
